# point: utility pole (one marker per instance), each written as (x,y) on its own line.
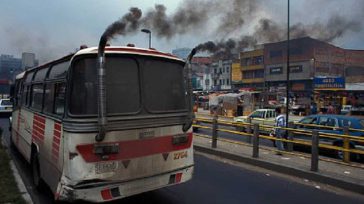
(288,70)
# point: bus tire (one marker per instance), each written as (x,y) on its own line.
(37,180)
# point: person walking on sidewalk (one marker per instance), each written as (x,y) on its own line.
(280,133)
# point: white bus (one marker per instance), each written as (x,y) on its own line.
(142,143)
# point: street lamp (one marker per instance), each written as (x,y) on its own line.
(288,70)
(150,36)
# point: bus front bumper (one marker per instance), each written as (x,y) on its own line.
(117,190)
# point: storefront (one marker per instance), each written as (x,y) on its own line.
(329,91)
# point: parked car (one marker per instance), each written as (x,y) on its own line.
(345,109)
(333,124)
(259,116)
(264,117)
(6,106)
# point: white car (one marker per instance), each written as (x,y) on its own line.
(6,106)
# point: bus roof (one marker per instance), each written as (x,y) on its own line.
(129,50)
(20,75)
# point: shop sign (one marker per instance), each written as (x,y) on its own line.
(276,70)
(329,83)
(295,69)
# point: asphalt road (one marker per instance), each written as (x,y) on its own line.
(218,181)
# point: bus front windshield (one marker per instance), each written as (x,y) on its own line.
(133,85)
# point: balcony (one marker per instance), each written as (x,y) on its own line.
(253,80)
(252,67)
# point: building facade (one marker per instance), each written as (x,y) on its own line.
(9,66)
(252,67)
(28,60)
(221,75)
(201,74)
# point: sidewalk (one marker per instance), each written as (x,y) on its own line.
(335,174)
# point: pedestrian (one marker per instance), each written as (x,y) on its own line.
(280,133)
(330,109)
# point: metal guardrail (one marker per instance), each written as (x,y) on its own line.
(253,135)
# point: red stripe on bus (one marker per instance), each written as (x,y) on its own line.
(39,137)
(55,145)
(39,124)
(35,128)
(36,132)
(56,133)
(39,118)
(55,152)
(56,140)
(57,126)
(135,148)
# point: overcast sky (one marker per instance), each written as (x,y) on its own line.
(55,28)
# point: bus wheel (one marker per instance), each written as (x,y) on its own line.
(35,170)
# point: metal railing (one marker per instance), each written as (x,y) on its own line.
(314,137)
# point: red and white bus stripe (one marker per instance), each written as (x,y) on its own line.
(136,148)
(38,128)
(18,127)
(56,141)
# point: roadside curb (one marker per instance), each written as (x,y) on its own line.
(23,190)
(314,176)
(19,181)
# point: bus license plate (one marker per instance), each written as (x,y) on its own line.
(104,167)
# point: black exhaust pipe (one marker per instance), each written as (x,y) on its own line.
(101,89)
(188,75)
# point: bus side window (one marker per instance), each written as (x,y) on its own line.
(17,95)
(59,93)
(49,98)
(37,96)
(24,98)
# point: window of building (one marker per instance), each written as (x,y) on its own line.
(259,73)
(247,61)
(227,69)
(220,81)
(227,82)
(295,51)
(248,74)
(258,60)
(37,96)
(276,70)
(215,71)
(223,70)
(275,53)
